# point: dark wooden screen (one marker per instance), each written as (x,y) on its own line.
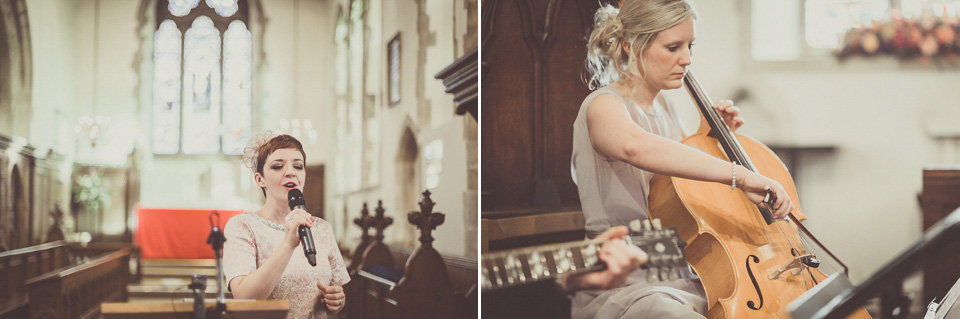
(314,190)
(533,66)
(940,197)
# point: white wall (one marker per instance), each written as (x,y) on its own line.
(54,94)
(435,36)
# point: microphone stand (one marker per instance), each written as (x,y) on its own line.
(199,287)
(216,239)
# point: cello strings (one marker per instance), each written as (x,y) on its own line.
(739,156)
(804,245)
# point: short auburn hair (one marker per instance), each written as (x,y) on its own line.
(277,142)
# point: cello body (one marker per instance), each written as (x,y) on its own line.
(730,245)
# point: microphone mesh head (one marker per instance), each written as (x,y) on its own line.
(295,198)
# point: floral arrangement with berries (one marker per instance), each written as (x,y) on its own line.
(926,38)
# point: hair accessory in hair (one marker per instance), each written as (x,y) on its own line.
(617,29)
(252,150)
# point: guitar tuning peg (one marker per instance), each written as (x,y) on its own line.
(646,224)
(634,225)
(664,274)
(653,274)
(674,274)
(656,224)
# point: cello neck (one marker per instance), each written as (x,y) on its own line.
(718,127)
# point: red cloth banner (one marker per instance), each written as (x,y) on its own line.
(177,233)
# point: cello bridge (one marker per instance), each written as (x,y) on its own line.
(795,266)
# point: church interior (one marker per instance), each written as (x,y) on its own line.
(867,126)
(123,124)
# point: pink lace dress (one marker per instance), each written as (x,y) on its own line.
(250,241)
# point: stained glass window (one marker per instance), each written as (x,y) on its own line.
(433,163)
(166,89)
(236,88)
(196,97)
(343,134)
(827,21)
(181,7)
(940,8)
(201,85)
(224,8)
(791,29)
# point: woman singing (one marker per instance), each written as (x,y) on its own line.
(261,257)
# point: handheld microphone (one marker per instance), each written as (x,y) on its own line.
(295,199)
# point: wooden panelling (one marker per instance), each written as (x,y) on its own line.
(533,228)
(30,188)
(532,77)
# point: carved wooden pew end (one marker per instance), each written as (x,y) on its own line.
(422,289)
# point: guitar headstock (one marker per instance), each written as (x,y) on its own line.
(663,247)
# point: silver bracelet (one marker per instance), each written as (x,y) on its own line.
(733,182)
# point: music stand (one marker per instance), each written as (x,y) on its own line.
(891,277)
(814,299)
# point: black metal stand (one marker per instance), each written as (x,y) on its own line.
(889,280)
(199,287)
(216,239)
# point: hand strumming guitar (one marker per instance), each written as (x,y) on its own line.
(621,259)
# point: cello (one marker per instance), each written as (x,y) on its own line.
(750,265)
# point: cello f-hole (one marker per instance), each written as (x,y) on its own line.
(756,286)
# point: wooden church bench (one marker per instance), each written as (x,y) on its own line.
(389,282)
(77,291)
(19,265)
(24,273)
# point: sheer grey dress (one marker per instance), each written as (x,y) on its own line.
(614,193)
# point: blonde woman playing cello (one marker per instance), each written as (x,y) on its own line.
(626,132)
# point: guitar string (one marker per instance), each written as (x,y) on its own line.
(500,258)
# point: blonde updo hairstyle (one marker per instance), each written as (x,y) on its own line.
(636,22)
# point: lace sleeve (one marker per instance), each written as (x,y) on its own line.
(338,270)
(239,251)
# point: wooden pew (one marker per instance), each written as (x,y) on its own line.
(19,265)
(423,291)
(364,223)
(463,276)
(80,254)
(371,252)
(78,291)
(377,253)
